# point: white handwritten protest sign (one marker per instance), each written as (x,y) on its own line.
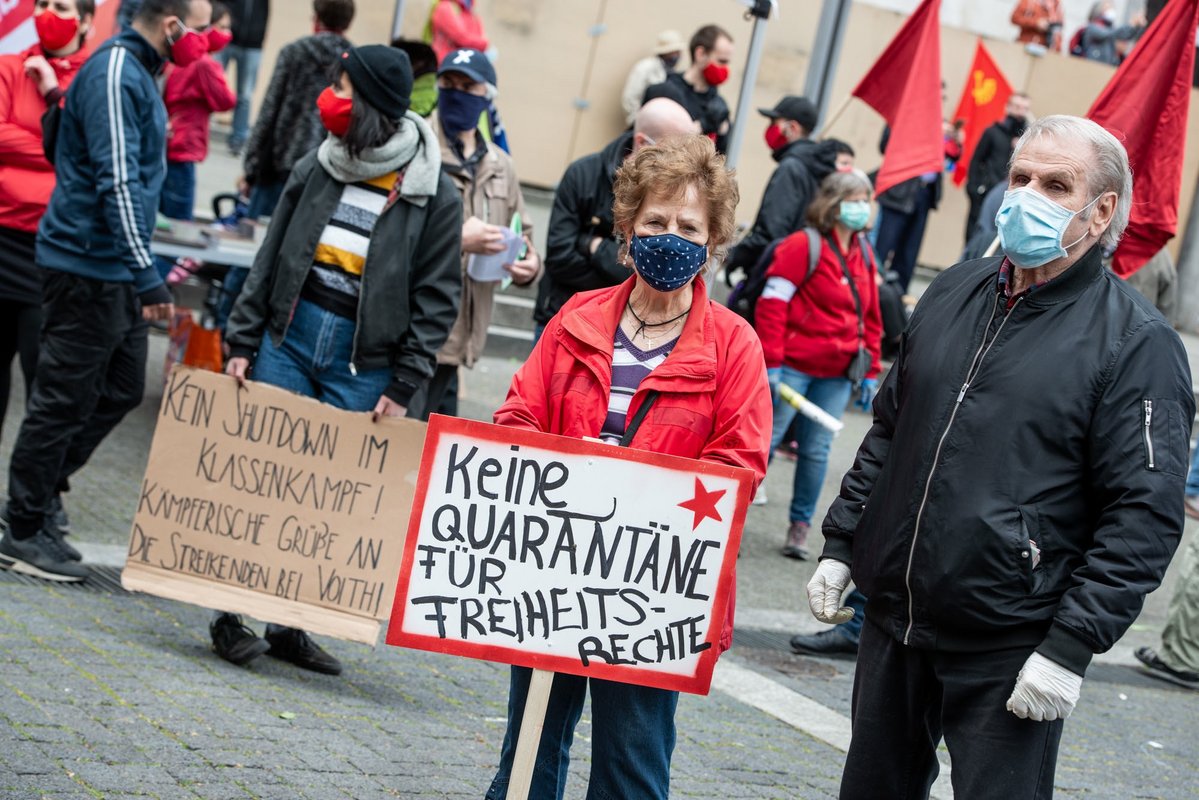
(263,502)
(568,555)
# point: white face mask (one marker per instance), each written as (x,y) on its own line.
(1109,17)
(1031,227)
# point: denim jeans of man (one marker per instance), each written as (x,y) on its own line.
(91,372)
(632,738)
(811,463)
(905,700)
(177,201)
(248,60)
(899,235)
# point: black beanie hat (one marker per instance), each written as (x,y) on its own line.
(382,76)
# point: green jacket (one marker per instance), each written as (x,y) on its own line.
(411,282)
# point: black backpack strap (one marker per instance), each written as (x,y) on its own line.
(635,423)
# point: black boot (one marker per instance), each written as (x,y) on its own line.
(292,644)
(234,642)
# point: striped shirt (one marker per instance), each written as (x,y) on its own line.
(336,274)
(630,365)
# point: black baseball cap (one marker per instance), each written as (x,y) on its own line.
(470,63)
(800,109)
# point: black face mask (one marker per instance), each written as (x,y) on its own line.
(1016,125)
(670,61)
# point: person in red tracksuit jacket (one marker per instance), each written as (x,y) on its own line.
(29,83)
(192,94)
(588,376)
(810,332)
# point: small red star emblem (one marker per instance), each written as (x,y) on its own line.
(703,505)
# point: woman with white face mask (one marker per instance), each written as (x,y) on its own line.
(821,329)
(1103,40)
(30,82)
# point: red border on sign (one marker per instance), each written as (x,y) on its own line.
(698,682)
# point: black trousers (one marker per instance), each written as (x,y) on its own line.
(91,372)
(438,396)
(20,327)
(905,700)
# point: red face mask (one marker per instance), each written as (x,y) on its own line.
(218,40)
(716,74)
(188,48)
(775,138)
(55,32)
(335,112)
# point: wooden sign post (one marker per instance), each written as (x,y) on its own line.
(262,502)
(566,555)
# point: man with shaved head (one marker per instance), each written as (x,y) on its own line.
(1020,491)
(581,248)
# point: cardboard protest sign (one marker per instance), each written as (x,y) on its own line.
(569,555)
(263,502)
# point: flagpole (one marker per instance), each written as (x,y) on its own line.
(824,129)
(761,13)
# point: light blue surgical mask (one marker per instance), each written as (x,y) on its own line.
(1031,227)
(854,214)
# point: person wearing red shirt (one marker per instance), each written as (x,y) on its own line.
(817,328)
(614,348)
(29,83)
(192,94)
(453,25)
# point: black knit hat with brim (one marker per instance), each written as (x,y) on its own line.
(382,76)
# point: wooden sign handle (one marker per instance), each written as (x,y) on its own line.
(531,723)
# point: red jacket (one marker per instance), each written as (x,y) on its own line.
(455,26)
(26,178)
(714,404)
(191,95)
(812,325)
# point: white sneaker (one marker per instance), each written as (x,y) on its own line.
(760,496)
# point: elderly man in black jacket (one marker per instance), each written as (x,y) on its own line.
(581,248)
(988,164)
(1020,491)
(802,164)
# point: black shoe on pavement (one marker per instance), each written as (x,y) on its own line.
(234,642)
(825,643)
(42,556)
(50,527)
(1153,665)
(292,644)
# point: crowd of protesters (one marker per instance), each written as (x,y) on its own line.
(392,161)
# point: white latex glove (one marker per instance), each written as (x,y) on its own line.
(1045,690)
(825,590)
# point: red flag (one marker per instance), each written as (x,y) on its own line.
(904,85)
(1145,106)
(983,103)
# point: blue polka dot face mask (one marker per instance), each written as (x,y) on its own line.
(667,262)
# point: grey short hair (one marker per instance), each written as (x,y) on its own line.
(836,186)
(1110,170)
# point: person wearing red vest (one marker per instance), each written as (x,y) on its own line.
(30,82)
(454,25)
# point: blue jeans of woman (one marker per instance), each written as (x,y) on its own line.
(177,201)
(248,60)
(811,464)
(632,738)
(1192,488)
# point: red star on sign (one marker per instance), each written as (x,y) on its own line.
(703,505)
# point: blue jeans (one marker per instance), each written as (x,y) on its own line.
(632,739)
(900,235)
(177,201)
(1192,489)
(247,60)
(811,464)
(314,360)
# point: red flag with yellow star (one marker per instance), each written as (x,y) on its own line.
(983,103)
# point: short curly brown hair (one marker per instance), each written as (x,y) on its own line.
(668,169)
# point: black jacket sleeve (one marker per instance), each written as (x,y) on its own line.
(569,262)
(788,194)
(257,160)
(435,290)
(1140,435)
(248,320)
(978,178)
(846,510)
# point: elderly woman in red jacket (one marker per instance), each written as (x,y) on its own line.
(29,83)
(658,330)
(821,331)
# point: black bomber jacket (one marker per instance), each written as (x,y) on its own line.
(1022,483)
